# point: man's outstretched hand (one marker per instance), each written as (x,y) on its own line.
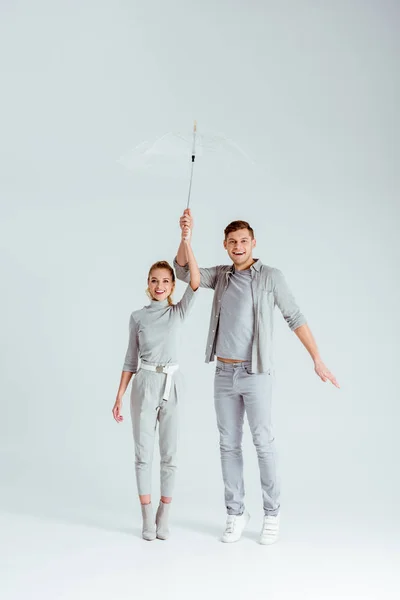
(307,339)
(324,373)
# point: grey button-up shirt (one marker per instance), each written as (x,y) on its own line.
(269,290)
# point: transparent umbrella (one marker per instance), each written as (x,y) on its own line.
(173,151)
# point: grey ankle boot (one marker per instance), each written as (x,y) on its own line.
(162,521)
(149,528)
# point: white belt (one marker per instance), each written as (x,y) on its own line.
(169,370)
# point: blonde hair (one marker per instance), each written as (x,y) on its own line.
(162,264)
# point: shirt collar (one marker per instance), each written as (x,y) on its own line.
(158,304)
(256,266)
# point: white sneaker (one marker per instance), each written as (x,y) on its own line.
(270,530)
(235,525)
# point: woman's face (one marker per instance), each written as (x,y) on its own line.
(160,284)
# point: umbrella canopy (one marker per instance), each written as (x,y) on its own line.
(172,153)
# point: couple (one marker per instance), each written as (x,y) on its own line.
(240,337)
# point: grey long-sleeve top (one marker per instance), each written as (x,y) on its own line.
(154,332)
(269,289)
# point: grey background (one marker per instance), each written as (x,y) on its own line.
(310,89)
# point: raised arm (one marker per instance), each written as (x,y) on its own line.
(194,271)
(181,257)
(208,277)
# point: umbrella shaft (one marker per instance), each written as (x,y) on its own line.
(190,184)
(193,159)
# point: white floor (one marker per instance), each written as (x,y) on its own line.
(52,558)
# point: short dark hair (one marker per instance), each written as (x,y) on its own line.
(236,225)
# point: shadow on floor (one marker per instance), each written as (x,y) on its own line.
(200,527)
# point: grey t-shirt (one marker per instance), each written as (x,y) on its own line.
(236,319)
(154,332)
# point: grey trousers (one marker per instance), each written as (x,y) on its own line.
(236,392)
(147,410)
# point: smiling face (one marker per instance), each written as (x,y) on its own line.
(239,245)
(160,284)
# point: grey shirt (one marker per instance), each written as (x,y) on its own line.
(236,319)
(269,289)
(154,332)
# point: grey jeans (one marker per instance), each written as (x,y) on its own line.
(147,410)
(238,391)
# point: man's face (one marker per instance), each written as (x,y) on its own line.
(239,245)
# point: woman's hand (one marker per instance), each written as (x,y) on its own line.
(186,234)
(116,411)
(186,219)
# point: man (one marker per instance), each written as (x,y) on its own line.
(240,336)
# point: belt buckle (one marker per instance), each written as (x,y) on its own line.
(160,368)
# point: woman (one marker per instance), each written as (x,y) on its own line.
(154,339)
